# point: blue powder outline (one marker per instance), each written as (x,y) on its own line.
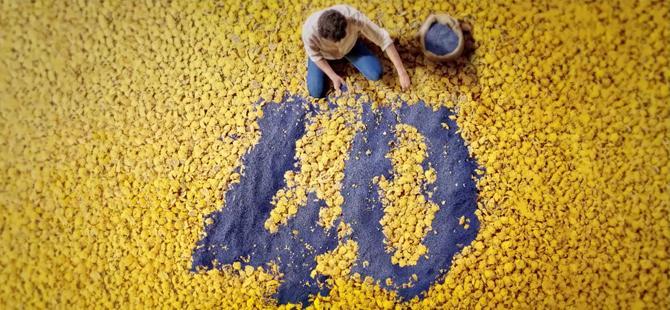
(461,200)
(237,231)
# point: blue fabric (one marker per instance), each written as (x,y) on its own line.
(359,56)
(316,80)
(441,39)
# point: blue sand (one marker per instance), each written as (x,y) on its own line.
(454,185)
(440,39)
(238,232)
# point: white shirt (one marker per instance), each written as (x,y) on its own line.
(318,48)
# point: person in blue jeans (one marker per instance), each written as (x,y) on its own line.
(333,33)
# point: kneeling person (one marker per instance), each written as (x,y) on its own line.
(333,34)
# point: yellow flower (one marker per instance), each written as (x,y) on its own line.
(122,127)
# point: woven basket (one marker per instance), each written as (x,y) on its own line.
(445,20)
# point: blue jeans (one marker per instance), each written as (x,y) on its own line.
(360,56)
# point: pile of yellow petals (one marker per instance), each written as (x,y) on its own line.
(122,124)
(338,262)
(407,213)
(322,153)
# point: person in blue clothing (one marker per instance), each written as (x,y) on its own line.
(333,33)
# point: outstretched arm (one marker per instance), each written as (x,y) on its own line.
(382,39)
(392,53)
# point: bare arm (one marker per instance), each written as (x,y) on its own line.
(392,53)
(325,67)
(382,39)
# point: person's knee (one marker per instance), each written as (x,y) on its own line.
(316,91)
(376,74)
(374,71)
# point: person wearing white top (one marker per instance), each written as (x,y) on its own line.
(333,33)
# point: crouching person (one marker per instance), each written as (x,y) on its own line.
(333,33)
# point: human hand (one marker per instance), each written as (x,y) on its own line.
(338,83)
(404,80)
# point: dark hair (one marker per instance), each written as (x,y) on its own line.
(332,25)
